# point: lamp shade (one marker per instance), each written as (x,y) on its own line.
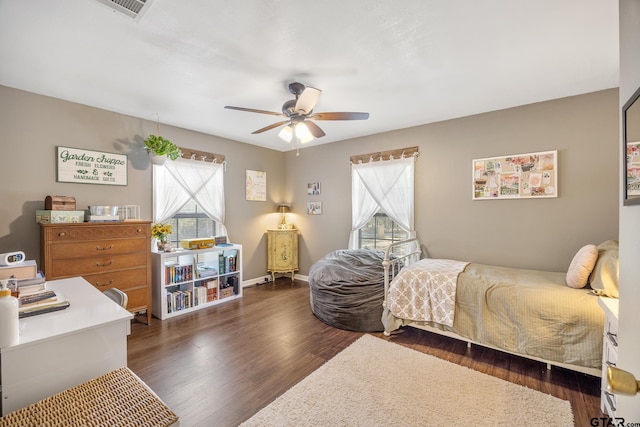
(286,133)
(283,208)
(303,133)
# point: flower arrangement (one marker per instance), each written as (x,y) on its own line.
(160,231)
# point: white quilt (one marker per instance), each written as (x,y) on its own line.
(426,291)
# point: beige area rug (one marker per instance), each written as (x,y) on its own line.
(374,382)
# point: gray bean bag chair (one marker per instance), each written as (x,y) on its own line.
(347,289)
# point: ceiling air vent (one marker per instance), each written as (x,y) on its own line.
(132,8)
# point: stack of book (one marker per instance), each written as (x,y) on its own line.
(40,302)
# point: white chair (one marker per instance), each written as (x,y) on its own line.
(117,296)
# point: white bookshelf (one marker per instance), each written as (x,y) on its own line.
(188,280)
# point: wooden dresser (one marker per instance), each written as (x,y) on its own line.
(107,255)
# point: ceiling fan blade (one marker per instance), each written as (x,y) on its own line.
(266,128)
(339,116)
(253,110)
(314,129)
(307,100)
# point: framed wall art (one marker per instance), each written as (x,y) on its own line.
(256,185)
(518,176)
(313,189)
(314,208)
(631,149)
(82,166)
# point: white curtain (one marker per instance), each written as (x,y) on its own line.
(387,185)
(178,181)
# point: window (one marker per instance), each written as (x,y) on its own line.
(382,200)
(380,231)
(191,222)
(189,194)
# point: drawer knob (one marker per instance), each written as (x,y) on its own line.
(104,284)
(104,265)
(139,230)
(98,248)
(62,234)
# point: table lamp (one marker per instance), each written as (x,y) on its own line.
(283,209)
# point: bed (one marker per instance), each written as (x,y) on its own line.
(539,315)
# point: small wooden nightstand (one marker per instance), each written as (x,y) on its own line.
(282,246)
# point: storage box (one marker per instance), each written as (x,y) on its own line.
(57,217)
(60,203)
(226,292)
(202,243)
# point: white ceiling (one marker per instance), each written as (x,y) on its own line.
(406,62)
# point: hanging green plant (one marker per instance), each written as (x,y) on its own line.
(162,147)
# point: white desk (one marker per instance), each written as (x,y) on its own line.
(65,348)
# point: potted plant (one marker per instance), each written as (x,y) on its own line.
(161,149)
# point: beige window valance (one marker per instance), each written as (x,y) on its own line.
(385,155)
(188,153)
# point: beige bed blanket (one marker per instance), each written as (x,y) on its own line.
(527,312)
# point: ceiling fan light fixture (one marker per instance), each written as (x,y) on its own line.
(286,133)
(303,133)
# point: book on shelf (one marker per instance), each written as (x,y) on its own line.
(176,273)
(221,263)
(205,270)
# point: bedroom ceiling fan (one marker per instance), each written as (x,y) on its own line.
(299,115)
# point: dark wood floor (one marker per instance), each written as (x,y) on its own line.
(220,365)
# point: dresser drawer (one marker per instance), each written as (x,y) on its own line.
(123,279)
(138,299)
(82,266)
(98,248)
(70,233)
(132,282)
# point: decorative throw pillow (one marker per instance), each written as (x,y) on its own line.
(581,266)
(604,277)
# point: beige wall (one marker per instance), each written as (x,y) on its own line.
(31,126)
(525,233)
(540,234)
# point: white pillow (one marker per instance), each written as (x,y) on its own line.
(581,266)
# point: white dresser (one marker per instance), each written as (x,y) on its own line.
(609,352)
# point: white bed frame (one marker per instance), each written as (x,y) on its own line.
(393,264)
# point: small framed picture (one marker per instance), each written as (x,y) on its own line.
(314,208)
(313,189)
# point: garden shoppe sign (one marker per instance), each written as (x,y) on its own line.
(90,167)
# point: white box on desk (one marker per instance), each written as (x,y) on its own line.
(25,270)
